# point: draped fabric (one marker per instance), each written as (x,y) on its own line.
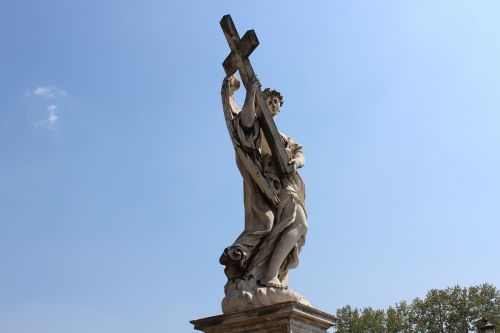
(265,222)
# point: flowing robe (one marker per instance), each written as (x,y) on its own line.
(248,257)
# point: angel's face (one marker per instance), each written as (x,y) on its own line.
(273,104)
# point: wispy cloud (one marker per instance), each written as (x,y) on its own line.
(52,119)
(48,101)
(47,92)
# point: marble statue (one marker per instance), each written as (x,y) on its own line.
(258,261)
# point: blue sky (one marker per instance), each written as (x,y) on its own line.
(118,187)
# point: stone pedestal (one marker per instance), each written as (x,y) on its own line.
(288,317)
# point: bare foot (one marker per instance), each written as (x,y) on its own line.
(274,282)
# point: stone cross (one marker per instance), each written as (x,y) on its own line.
(238,60)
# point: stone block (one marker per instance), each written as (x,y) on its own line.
(287,317)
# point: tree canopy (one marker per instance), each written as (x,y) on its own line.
(450,310)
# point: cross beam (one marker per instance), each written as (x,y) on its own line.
(238,60)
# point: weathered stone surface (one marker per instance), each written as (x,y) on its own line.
(242,295)
(257,263)
(285,317)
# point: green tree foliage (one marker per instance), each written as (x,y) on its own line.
(348,320)
(372,320)
(398,318)
(451,310)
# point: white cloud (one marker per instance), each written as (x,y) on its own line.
(43,91)
(49,99)
(52,119)
(47,92)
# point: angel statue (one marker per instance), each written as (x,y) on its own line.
(258,261)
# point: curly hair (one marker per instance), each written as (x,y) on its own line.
(271,92)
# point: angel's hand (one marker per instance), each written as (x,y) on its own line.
(234,83)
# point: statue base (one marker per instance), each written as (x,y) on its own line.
(243,295)
(284,317)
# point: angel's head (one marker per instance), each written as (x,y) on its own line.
(274,100)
